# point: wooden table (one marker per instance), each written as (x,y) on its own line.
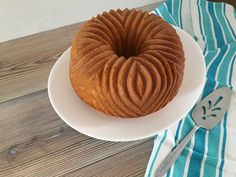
(34,141)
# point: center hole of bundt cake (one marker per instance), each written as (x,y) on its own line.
(127,49)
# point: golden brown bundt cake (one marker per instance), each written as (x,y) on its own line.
(126,63)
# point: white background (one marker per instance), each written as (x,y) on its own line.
(24,17)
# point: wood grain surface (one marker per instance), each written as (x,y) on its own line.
(34,141)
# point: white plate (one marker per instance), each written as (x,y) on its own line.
(88,121)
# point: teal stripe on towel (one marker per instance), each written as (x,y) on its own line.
(227,20)
(223,147)
(232,65)
(217,28)
(176,141)
(207,30)
(162,11)
(224,25)
(156,153)
(179,166)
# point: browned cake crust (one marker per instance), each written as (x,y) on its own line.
(126,63)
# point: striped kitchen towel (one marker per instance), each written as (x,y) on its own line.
(210,153)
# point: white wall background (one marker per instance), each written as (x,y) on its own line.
(24,17)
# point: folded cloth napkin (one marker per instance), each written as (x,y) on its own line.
(210,153)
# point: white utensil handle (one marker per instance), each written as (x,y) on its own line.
(172,156)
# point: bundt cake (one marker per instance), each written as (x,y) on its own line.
(126,63)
